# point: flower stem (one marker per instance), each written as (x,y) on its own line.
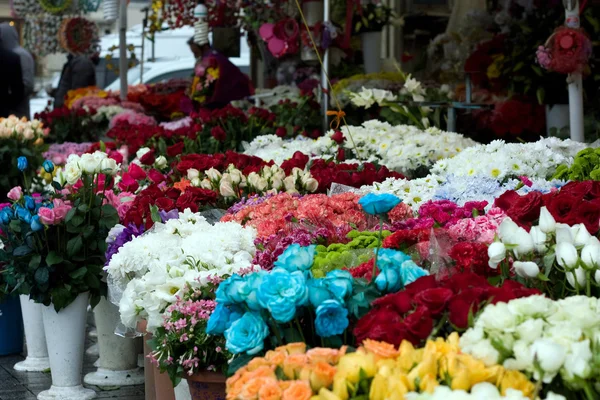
(300,329)
(378,247)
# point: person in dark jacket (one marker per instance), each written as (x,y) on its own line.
(78,72)
(12,90)
(10,41)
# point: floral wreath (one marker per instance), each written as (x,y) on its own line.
(566,51)
(77,35)
(179,13)
(22,8)
(55,6)
(41,34)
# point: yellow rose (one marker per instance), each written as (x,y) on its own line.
(340,387)
(256,363)
(293,348)
(330,356)
(515,380)
(325,394)
(321,376)
(270,391)
(461,379)
(427,366)
(350,366)
(408,356)
(251,388)
(379,388)
(428,383)
(275,357)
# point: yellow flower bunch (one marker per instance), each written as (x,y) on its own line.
(90,91)
(286,373)
(384,373)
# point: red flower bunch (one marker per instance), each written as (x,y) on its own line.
(134,136)
(163,106)
(364,270)
(472,257)
(220,162)
(70,125)
(514,117)
(412,313)
(574,203)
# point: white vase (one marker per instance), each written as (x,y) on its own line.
(37,351)
(371,47)
(182,391)
(557,116)
(117,365)
(65,338)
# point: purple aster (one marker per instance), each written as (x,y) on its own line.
(131,231)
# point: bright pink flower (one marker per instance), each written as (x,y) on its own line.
(15,193)
(47,216)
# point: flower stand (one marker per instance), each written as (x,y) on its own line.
(118,355)
(157,386)
(11,328)
(65,338)
(37,351)
(371,47)
(207,385)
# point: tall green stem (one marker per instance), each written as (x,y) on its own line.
(378,247)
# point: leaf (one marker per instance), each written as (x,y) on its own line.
(21,251)
(238,362)
(292,335)
(35,261)
(92,281)
(56,186)
(541,94)
(154,214)
(83,208)
(88,231)
(70,214)
(74,246)
(42,275)
(15,225)
(77,220)
(78,273)
(543,277)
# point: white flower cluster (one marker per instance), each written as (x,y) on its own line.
(574,249)
(106,113)
(21,128)
(271,179)
(480,391)
(96,163)
(156,266)
(502,160)
(412,192)
(402,148)
(368,97)
(539,336)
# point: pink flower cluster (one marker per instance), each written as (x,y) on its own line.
(481,229)
(58,153)
(133,118)
(272,215)
(93,102)
(54,216)
(122,202)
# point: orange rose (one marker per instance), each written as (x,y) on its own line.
(319,354)
(257,362)
(293,364)
(298,390)
(293,348)
(264,371)
(275,357)
(270,391)
(321,376)
(381,350)
(252,387)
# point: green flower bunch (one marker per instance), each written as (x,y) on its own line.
(359,250)
(585,167)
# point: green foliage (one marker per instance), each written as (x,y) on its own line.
(10,150)
(586,166)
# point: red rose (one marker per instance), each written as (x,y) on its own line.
(465,281)
(128,184)
(341,154)
(202,196)
(400,302)
(176,149)
(434,299)
(298,160)
(186,200)
(506,200)
(419,323)
(594,191)
(281,132)
(588,213)
(148,158)
(172,193)
(338,137)
(115,155)
(136,172)
(165,204)
(102,181)
(562,208)
(155,176)
(459,309)
(577,189)
(373,320)
(422,283)
(218,133)
(526,208)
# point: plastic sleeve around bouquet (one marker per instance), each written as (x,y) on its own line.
(337,188)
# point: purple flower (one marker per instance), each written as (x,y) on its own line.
(165,216)
(131,231)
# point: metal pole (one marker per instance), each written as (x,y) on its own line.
(144,25)
(325,73)
(574,80)
(123,48)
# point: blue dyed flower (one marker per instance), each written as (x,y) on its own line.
(22,163)
(281,292)
(410,272)
(48,166)
(332,319)
(247,334)
(339,283)
(6,215)
(222,318)
(23,214)
(389,280)
(376,204)
(394,277)
(29,203)
(389,258)
(228,291)
(249,289)
(296,258)
(35,223)
(318,292)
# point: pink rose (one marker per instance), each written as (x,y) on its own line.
(47,216)
(15,193)
(58,160)
(60,213)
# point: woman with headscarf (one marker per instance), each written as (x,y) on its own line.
(9,38)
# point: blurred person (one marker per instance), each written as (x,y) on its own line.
(10,41)
(78,72)
(12,90)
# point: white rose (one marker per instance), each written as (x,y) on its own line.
(554,396)
(530,330)
(534,306)
(580,235)
(89,164)
(290,184)
(310,183)
(539,239)
(206,184)
(72,173)
(236,176)
(261,184)
(547,222)
(226,186)
(577,276)
(161,162)
(498,317)
(28,134)
(496,253)
(549,355)
(485,352)
(213,175)
(276,183)
(526,269)
(523,359)
(566,255)
(507,231)
(564,233)
(577,362)
(597,277)
(195,182)
(109,166)
(590,255)
(140,153)
(193,173)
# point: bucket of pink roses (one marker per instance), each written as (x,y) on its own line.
(56,241)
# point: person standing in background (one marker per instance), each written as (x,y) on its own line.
(11,81)
(78,72)
(10,41)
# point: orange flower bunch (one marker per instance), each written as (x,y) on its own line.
(286,373)
(90,91)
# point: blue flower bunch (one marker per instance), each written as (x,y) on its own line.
(379,204)
(24,210)
(396,271)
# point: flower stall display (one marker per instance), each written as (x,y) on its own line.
(19,137)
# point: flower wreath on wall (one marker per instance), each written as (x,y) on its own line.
(23,8)
(78,35)
(41,34)
(55,6)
